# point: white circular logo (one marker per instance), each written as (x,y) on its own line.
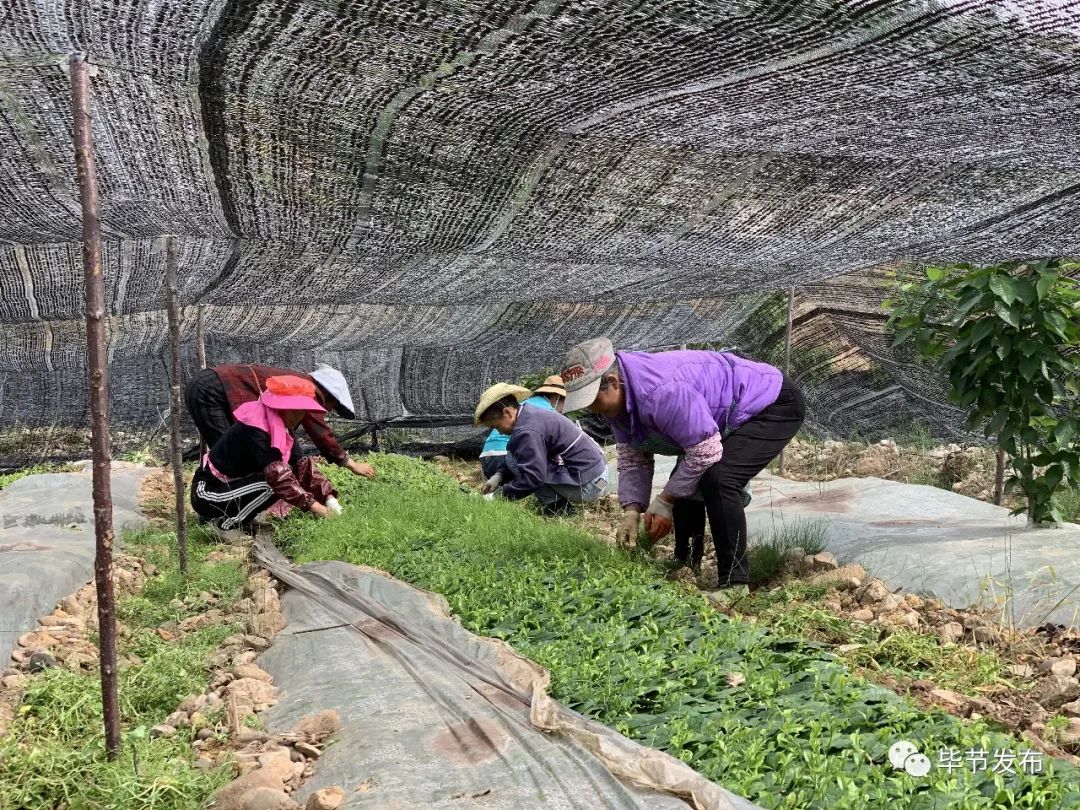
(900,751)
(917,764)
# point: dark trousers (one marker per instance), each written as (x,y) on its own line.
(747,451)
(204,397)
(235,503)
(490,465)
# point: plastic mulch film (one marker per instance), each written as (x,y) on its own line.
(433,715)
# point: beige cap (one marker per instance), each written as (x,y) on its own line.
(583,370)
(497,392)
(552,385)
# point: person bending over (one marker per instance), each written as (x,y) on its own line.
(252,465)
(213,395)
(726,416)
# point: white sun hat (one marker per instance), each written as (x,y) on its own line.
(333,382)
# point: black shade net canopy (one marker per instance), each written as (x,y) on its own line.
(433,196)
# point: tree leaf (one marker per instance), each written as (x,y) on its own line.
(1029,366)
(1065,431)
(1008,315)
(903,336)
(1045,284)
(1025,290)
(1003,287)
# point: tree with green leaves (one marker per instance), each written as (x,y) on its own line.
(1007,337)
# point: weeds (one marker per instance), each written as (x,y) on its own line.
(767,557)
(795,609)
(53,756)
(645,657)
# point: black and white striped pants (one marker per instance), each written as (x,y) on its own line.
(230,505)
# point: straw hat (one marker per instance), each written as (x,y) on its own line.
(552,385)
(289,393)
(497,392)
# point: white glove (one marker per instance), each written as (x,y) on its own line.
(660,507)
(333,505)
(492,483)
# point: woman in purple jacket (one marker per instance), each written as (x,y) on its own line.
(727,417)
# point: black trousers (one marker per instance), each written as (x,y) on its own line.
(234,504)
(206,402)
(747,451)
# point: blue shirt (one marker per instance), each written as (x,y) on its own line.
(496,443)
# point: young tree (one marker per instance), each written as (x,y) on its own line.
(1007,337)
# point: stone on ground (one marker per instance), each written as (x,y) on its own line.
(326,799)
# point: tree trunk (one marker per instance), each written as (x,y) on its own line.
(787,355)
(999,476)
(174,404)
(101,449)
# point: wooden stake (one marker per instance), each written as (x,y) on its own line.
(174,404)
(200,356)
(101,449)
(999,477)
(200,340)
(787,354)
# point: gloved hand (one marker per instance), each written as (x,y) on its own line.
(492,483)
(333,506)
(626,535)
(658,518)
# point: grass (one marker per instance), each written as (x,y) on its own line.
(795,609)
(1067,501)
(645,657)
(767,557)
(53,756)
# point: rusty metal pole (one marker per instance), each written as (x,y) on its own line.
(787,354)
(101,449)
(999,476)
(174,401)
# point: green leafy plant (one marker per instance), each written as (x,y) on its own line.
(536,379)
(1006,337)
(640,654)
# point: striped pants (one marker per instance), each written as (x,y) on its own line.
(233,504)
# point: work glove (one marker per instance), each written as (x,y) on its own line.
(658,518)
(626,535)
(492,484)
(333,506)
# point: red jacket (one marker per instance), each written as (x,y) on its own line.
(245,384)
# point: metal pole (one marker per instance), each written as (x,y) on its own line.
(174,405)
(787,353)
(999,476)
(101,449)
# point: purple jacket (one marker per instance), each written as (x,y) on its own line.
(684,401)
